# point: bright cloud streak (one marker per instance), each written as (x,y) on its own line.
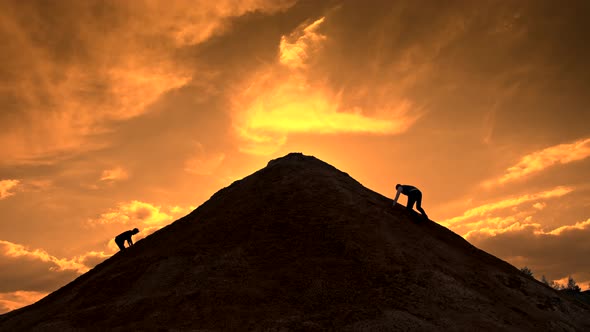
(578,226)
(145,216)
(6,186)
(483,210)
(141,214)
(15,250)
(14,300)
(285,98)
(134,212)
(305,40)
(114,174)
(539,160)
(495,226)
(204,165)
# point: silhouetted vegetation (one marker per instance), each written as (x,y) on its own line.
(571,285)
(527,271)
(556,285)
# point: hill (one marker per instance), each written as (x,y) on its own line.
(300,245)
(578,295)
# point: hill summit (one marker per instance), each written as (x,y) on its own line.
(300,245)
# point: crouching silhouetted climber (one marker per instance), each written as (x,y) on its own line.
(414,196)
(125,236)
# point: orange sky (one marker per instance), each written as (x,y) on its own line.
(122,114)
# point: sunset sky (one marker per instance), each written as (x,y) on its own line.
(123,114)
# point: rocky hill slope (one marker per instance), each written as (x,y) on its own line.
(300,245)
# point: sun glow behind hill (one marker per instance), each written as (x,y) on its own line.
(301,244)
(290,96)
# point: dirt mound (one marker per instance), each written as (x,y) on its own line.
(300,245)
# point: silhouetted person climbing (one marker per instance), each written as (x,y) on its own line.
(414,196)
(125,236)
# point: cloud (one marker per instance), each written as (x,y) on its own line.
(65,83)
(192,22)
(63,116)
(555,253)
(484,210)
(204,165)
(38,185)
(134,212)
(79,264)
(540,160)
(14,300)
(142,215)
(291,97)
(114,174)
(146,217)
(296,49)
(570,228)
(13,250)
(499,225)
(35,270)
(6,186)
(30,274)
